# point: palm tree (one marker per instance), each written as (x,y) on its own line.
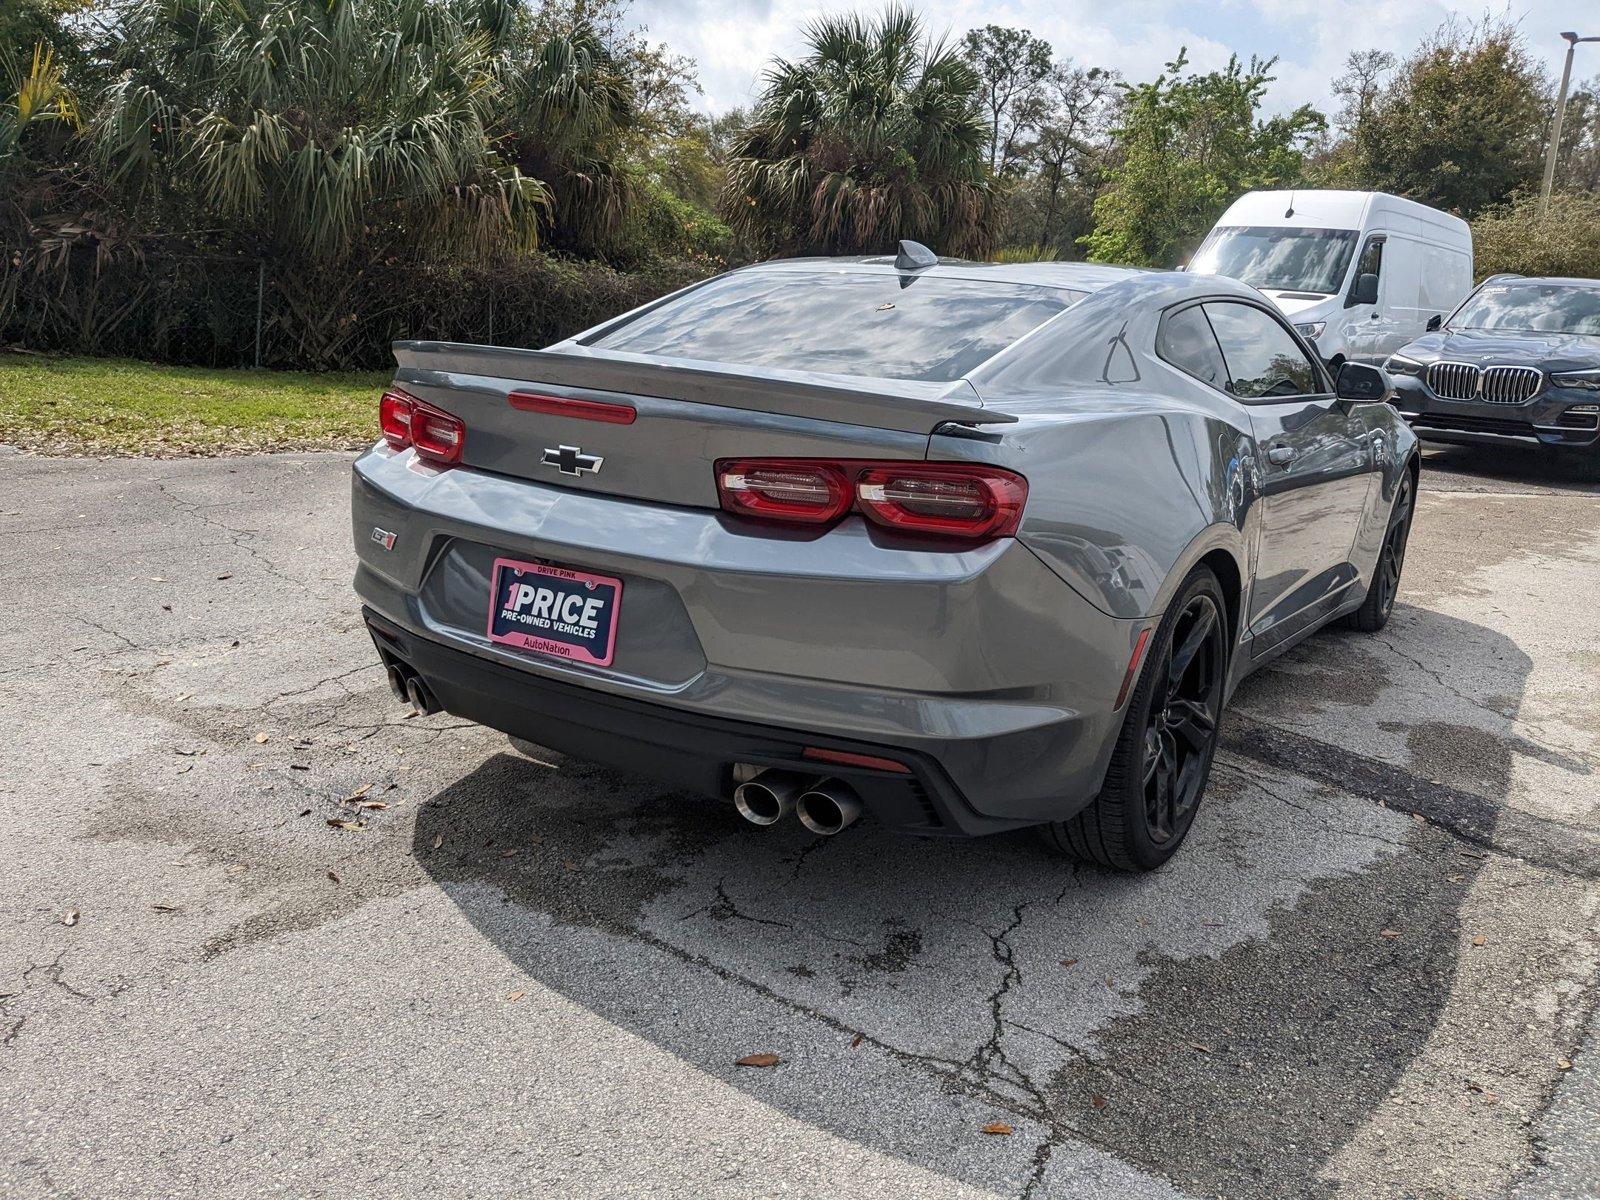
(313,128)
(875,135)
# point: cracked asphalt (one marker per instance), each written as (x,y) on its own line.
(1372,972)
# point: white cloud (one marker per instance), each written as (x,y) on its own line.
(731,41)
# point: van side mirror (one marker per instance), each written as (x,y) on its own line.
(1361,383)
(1434,322)
(1365,291)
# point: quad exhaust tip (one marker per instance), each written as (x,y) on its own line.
(420,698)
(767,797)
(828,806)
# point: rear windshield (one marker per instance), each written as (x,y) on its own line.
(1541,307)
(1285,260)
(934,329)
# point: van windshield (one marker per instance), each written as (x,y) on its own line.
(1285,260)
(934,329)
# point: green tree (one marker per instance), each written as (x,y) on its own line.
(1189,145)
(1012,65)
(1461,124)
(875,135)
(1512,237)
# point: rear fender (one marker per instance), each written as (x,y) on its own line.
(1122,504)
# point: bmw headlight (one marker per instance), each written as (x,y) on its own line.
(1311,329)
(1399,364)
(1588,380)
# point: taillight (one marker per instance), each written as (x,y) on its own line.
(964,501)
(958,500)
(804,491)
(438,436)
(394,417)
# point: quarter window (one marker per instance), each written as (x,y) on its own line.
(1263,359)
(1186,341)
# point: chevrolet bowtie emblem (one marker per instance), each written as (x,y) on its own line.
(571,460)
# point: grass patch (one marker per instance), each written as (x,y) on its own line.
(110,406)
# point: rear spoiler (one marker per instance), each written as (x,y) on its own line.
(878,403)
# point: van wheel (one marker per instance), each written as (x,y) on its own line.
(1163,754)
(1374,612)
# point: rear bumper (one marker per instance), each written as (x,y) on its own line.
(688,750)
(980,669)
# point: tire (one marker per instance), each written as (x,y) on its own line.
(1374,612)
(1133,824)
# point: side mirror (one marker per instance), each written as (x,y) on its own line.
(1361,383)
(1365,290)
(1434,322)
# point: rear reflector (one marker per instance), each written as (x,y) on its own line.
(437,436)
(583,410)
(954,500)
(1132,672)
(844,758)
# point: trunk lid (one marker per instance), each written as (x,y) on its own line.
(688,415)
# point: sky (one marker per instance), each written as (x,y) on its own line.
(731,40)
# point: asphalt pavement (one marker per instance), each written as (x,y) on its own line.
(263,933)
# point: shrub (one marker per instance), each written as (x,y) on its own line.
(172,305)
(1566,242)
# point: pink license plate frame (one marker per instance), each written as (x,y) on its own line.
(554,611)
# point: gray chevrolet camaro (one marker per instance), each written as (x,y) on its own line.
(963,546)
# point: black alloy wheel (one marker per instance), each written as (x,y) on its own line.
(1162,757)
(1374,612)
(1180,731)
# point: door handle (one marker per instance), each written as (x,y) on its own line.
(1280,456)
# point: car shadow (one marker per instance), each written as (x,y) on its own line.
(1226,1023)
(1513,464)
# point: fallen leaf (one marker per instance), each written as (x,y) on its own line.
(1098,1101)
(1564,1064)
(1480,940)
(570,865)
(70,917)
(1473,854)
(1391,934)
(225,575)
(1069,962)
(357,794)
(1416,816)
(515,996)
(998,1129)
(1204,1049)
(341,823)
(438,840)
(759,1060)
(167,908)
(511,853)
(261,739)
(333,876)
(861,1037)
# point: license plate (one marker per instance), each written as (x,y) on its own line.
(551,610)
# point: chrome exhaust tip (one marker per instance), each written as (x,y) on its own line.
(827,807)
(420,698)
(397,683)
(767,798)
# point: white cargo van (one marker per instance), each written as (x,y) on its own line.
(1359,273)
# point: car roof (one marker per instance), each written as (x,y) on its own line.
(1070,276)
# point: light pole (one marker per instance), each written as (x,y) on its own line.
(1555,126)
